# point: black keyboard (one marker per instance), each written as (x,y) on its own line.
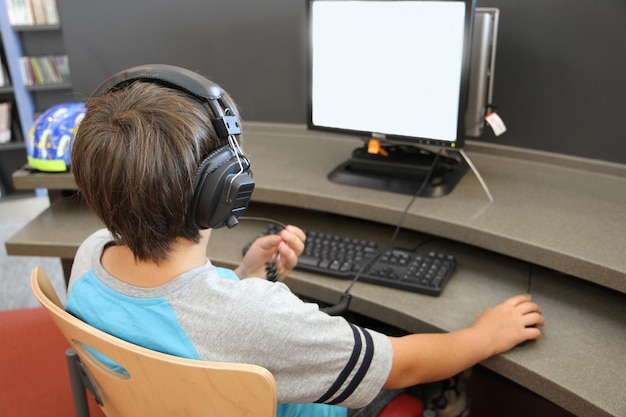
(405,269)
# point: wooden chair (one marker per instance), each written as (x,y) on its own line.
(157,384)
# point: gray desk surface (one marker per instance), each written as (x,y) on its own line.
(565,220)
(561,213)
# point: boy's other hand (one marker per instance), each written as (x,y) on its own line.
(285,247)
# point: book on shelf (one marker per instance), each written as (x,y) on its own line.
(32,12)
(44,70)
(4,78)
(5,122)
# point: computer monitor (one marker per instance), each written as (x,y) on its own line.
(396,71)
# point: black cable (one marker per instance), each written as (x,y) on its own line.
(263,219)
(424,243)
(340,307)
(271,270)
(346,297)
(528,285)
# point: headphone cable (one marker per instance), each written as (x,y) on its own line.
(271,270)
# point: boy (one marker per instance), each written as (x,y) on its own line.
(157,158)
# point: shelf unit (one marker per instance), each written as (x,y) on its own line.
(26,100)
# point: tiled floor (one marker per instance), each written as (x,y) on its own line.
(15,212)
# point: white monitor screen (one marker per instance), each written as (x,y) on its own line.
(388,67)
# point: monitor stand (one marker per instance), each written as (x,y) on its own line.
(403,170)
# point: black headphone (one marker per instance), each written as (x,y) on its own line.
(223,184)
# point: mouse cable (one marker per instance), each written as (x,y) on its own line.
(346,297)
(344,302)
(394,236)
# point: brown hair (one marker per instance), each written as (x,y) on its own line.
(134,158)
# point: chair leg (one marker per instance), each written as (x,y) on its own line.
(79,394)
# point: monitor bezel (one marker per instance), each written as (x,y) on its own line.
(459,142)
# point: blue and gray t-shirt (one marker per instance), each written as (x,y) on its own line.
(207,313)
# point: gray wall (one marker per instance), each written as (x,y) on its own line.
(560,75)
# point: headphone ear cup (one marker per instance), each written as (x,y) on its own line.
(222,189)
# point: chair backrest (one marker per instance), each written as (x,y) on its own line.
(158,384)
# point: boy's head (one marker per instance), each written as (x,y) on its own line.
(156,157)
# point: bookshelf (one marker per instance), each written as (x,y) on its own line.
(32,12)
(35,70)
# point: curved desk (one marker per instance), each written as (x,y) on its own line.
(562,223)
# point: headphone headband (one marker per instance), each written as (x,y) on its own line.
(224,114)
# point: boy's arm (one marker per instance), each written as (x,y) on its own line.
(421,358)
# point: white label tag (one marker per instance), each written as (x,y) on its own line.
(496,123)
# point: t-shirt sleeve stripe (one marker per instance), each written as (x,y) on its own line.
(360,374)
(356,351)
(333,391)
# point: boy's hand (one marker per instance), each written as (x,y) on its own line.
(289,244)
(510,323)
(420,358)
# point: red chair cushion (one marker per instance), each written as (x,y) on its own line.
(403,405)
